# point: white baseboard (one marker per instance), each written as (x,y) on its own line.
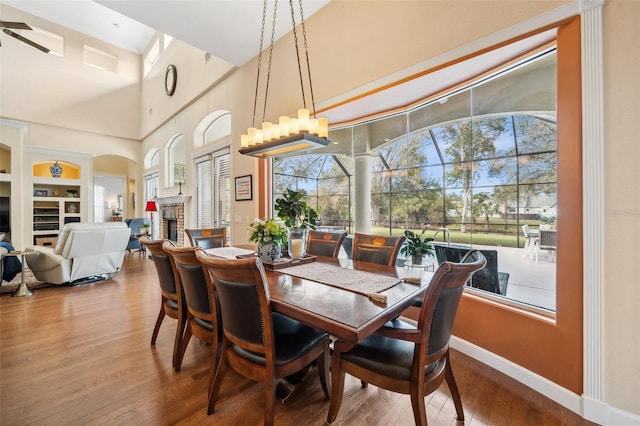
(592,410)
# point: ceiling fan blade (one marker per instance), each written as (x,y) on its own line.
(25,40)
(14,25)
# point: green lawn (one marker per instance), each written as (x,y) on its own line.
(480,237)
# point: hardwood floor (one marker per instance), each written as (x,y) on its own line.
(82,356)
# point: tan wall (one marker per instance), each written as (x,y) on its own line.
(621,284)
(194,77)
(63,92)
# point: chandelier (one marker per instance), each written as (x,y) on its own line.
(289,133)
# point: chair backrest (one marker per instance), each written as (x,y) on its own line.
(321,243)
(525,230)
(136,224)
(376,249)
(207,237)
(547,238)
(440,303)
(244,301)
(84,239)
(190,275)
(164,266)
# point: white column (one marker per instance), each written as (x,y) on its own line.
(362,196)
(593,209)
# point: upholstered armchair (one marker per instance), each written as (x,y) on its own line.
(135,224)
(83,250)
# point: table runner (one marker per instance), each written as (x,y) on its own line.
(362,282)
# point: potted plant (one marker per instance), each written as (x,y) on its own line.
(416,246)
(298,216)
(270,235)
(295,212)
(146,228)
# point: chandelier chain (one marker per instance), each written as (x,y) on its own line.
(306,52)
(273,32)
(295,41)
(255,99)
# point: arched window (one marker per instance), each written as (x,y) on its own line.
(176,164)
(218,129)
(152,158)
(216,126)
(212,171)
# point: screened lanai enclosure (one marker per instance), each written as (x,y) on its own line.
(479,161)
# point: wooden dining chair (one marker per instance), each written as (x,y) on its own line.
(257,343)
(207,237)
(403,358)
(202,319)
(376,248)
(172,303)
(325,243)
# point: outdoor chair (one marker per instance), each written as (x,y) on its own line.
(547,241)
(530,241)
(488,278)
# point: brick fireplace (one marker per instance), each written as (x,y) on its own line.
(171,214)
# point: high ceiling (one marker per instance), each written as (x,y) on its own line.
(228,29)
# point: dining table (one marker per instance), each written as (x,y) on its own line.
(348,316)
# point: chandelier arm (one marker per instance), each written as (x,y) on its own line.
(306,52)
(273,31)
(295,40)
(255,98)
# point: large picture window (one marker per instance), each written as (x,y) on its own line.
(480,163)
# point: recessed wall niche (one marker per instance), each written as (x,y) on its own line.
(69,171)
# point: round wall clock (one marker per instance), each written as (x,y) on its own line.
(170,79)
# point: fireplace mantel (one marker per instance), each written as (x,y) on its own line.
(176,199)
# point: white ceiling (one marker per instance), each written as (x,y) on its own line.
(228,29)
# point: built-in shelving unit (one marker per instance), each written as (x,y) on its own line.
(55,203)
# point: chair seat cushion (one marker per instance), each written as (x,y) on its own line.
(292,339)
(172,303)
(203,323)
(389,357)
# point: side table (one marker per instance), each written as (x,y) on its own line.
(427,264)
(23,289)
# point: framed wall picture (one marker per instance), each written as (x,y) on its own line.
(244,188)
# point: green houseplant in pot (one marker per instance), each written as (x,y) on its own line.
(298,216)
(416,246)
(145,228)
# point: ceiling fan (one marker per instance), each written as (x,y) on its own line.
(8,26)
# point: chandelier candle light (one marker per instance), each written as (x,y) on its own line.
(290,133)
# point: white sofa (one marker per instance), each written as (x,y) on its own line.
(83,250)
